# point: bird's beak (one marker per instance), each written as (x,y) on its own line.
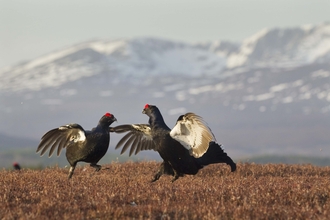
(144,111)
(115,119)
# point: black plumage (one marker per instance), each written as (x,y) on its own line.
(81,145)
(16,166)
(185,149)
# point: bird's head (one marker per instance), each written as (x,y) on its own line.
(108,118)
(153,113)
(148,109)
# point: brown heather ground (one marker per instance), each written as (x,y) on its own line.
(124,191)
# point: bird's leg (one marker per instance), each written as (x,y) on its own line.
(159,173)
(71,170)
(176,175)
(97,167)
(175,178)
(157,176)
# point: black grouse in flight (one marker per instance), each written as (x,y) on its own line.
(80,144)
(185,149)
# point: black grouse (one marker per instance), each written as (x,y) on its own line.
(185,149)
(16,166)
(81,145)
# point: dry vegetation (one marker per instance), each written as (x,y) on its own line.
(124,191)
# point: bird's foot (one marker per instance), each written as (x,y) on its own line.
(176,175)
(175,178)
(156,177)
(96,166)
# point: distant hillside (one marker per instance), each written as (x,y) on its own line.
(10,142)
(291,159)
(28,158)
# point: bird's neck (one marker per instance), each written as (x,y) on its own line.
(157,121)
(102,126)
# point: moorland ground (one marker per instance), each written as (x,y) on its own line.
(125,191)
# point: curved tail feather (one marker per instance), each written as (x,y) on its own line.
(215,154)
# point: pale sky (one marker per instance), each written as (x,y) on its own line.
(31,28)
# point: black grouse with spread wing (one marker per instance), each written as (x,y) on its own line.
(81,145)
(185,149)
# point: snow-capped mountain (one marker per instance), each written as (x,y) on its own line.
(268,94)
(284,47)
(119,58)
(148,56)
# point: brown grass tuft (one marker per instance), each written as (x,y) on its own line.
(124,191)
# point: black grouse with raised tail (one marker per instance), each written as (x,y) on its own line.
(185,149)
(81,145)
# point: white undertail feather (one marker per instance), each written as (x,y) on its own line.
(193,133)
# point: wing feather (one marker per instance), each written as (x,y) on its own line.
(62,144)
(138,145)
(128,143)
(193,133)
(46,139)
(133,146)
(138,138)
(49,142)
(54,146)
(61,138)
(147,146)
(123,140)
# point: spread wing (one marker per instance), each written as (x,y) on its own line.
(193,133)
(138,138)
(61,138)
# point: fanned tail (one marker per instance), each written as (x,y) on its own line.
(215,154)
